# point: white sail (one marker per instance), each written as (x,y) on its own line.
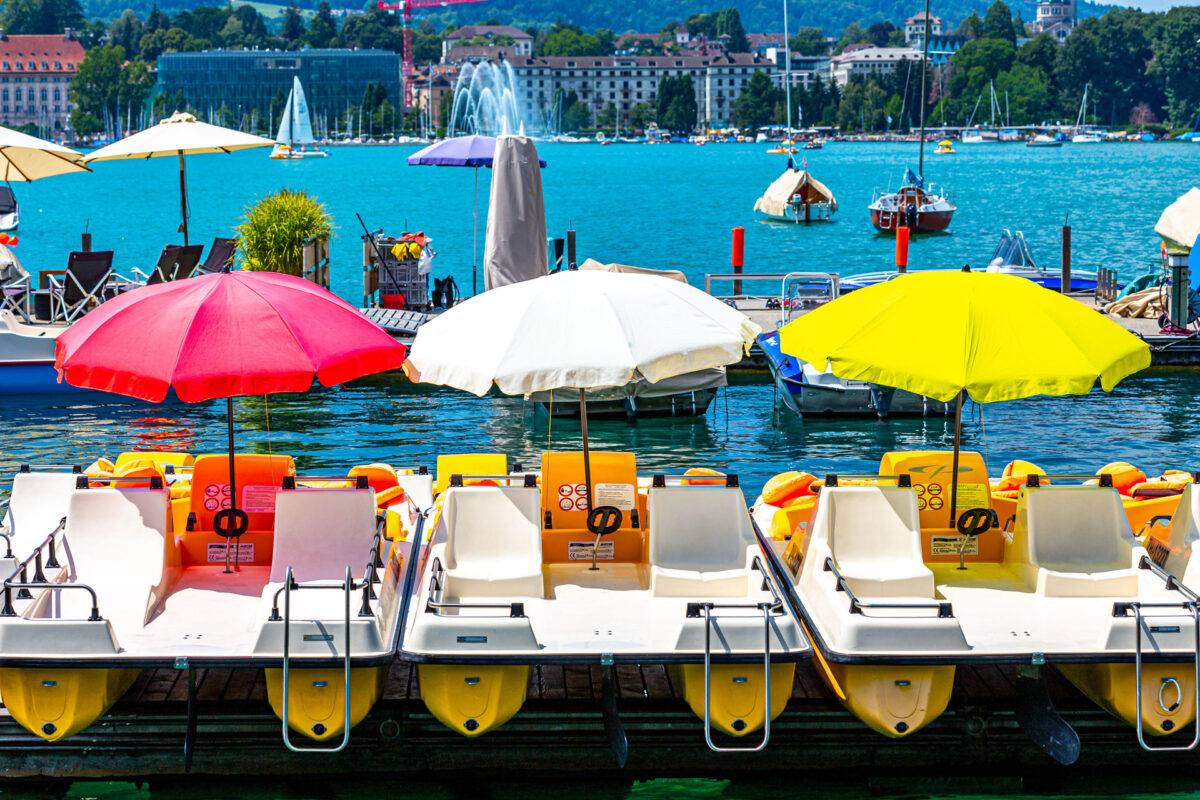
(285,124)
(295,128)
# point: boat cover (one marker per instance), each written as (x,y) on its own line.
(1179,224)
(8,201)
(515,248)
(713,378)
(673,274)
(779,194)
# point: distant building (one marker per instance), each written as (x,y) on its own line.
(805,69)
(477,35)
(914,27)
(862,61)
(428,93)
(246,81)
(472,54)
(626,81)
(1055,17)
(35,71)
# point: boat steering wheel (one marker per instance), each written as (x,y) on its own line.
(976,521)
(604,520)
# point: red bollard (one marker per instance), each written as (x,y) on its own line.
(902,248)
(737,260)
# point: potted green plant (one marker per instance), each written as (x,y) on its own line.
(272,234)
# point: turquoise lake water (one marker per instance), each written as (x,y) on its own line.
(666,206)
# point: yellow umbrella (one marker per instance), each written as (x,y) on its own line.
(940,333)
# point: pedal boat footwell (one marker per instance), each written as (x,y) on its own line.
(499,594)
(322,597)
(1068,586)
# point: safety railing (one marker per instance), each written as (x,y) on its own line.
(20,581)
(1192,603)
(434,603)
(944,609)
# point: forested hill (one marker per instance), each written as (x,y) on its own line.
(757,15)
(646,16)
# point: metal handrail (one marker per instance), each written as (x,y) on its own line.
(347,586)
(944,609)
(39,579)
(432,606)
(1172,583)
(7,544)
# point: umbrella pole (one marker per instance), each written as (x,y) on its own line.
(587,467)
(232,479)
(954,477)
(475,246)
(183,227)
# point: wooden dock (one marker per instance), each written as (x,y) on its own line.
(560,731)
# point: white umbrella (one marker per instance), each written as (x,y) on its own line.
(28,158)
(178,135)
(1179,223)
(578,330)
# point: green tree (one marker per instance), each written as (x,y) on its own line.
(575,114)
(1040,51)
(40,16)
(322,28)
(851,34)
(808,42)
(998,23)
(1112,53)
(293,25)
(641,115)
(755,106)
(729,23)
(94,87)
(156,20)
(608,116)
(570,42)
(1176,49)
(971,27)
(677,109)
(126,31)
(879,33)
(374,29)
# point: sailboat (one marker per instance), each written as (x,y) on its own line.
(295,128)
(1084,135)
(921,208)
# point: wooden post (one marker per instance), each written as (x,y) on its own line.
(85,244)
(1066,259)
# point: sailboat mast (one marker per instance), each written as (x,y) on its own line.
(924,62)
(787,70)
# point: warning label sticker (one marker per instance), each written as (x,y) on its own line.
(582,551)
(973,495)
(617,495)
(953,545)
(244,552)
(1157,550)
(258,499)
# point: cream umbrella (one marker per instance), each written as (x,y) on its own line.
(178,135)
(578,330)
(28,158)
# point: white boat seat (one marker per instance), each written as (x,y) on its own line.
(874,535)
(1080,541)
(38,503)
(698,539)
(320,532)
(118,542)
(1183,533)
(493,542)
(419,488)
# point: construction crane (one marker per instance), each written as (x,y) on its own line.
(405,7)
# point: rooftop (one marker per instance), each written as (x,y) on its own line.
(488,31)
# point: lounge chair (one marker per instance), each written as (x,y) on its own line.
(164,268)
(15,284)
(186,259)
(219,255)
(85,280)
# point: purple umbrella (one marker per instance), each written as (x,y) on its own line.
(462,151)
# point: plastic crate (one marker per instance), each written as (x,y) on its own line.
(400,276)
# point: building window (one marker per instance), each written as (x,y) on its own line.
(45,65)
(19,65)
(17,96)
(32,66)
(44,98)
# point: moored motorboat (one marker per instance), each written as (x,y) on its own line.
(10,210)
(796,196)
(1044,140)
(522,571)
(920,209)
(1012,257)
(141,574)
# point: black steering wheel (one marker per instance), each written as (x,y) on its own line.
(975,521)
(604,520)
(231,522)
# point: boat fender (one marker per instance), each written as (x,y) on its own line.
(390,497)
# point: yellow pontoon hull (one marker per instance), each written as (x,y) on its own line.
(55,703)
(895,700)
(317,698)
(737,693)
(473,700)
(1168,692)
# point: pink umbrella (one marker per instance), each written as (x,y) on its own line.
(223,335)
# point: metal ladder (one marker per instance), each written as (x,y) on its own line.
(1137,671)
(765,608)
(347,587)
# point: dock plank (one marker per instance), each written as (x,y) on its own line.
(159,686)
(213,685)
(654,678)
(630,685)
(553,682)
(237,690)
(578,682)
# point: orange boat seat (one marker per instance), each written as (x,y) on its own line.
(565,536)
(468,464)
(259,478)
